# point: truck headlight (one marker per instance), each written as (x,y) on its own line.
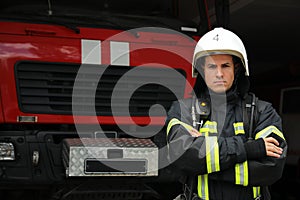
(7,151)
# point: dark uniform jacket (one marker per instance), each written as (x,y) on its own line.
(222,160)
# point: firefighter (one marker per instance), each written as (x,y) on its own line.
(226,144)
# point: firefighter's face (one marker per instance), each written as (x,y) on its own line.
(219,72)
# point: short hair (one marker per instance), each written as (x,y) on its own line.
(201,61)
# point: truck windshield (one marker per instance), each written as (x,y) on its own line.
(121,14)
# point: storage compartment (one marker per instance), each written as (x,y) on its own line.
(110,157)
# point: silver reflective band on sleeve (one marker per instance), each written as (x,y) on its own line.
(175,121)
(90,51)
(267,131)
(241,174)
(212,154)
(119,53)
(203,187)
(238,128)
(263,134)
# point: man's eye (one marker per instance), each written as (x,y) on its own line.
(226,65)
(211,66)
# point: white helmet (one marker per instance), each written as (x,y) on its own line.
(220,41)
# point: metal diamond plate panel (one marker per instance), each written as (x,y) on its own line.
(76,151)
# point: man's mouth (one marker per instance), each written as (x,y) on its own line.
(219,82)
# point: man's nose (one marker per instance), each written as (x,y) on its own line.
(219,71)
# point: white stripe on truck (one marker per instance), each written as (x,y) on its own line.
(90,51)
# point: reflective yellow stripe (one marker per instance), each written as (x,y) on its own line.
(262,134)
(204,131)
(203,187)
(241,174)
(175,121)
(241,169)
(267,131)
(212,154)
(212,126)
(212,157)
(209,126)
(239,128)
(237,174)
(256,192)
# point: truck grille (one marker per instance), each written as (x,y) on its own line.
(48,88)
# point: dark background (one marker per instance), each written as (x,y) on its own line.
(270,30)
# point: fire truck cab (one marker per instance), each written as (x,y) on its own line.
(84,90)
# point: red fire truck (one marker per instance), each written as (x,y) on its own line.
(72,75)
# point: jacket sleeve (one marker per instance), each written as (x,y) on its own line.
(203,154)
(266,170)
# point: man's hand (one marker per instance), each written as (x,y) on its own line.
(194,133)
(272,147)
